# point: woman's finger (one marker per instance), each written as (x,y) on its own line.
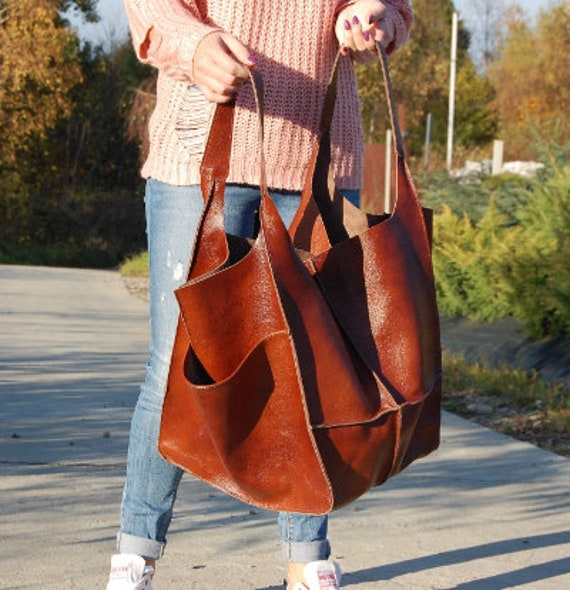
(218,67)
(358,39)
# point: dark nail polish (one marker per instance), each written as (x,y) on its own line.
(355,20)
(371,19)
(347,25)
(366,36)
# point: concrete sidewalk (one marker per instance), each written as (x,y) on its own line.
(485,512)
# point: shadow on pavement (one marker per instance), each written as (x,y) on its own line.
(527,575)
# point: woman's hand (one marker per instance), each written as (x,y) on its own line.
(361,25)
(220,66)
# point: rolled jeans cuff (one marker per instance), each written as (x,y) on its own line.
(299,552)
(148,548)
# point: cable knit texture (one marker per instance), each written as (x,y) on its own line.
(294,46)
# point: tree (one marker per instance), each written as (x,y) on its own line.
(86,7)
(92,146)
(486,16)
(532,80)
(78,199)
(70,190)
(38,68)
(420,72)
(475,119)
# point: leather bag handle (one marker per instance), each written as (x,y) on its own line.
(320,205)
(393,111)
(216,159)
(214,171)
(330,100)
(215,164)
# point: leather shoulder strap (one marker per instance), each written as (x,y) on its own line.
(216,159)
(330,99)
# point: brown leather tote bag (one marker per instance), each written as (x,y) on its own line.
(306,367)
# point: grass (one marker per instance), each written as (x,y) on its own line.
(511,401)
(523,388)
(560,420)
(135,266)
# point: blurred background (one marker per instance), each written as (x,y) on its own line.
(74,106)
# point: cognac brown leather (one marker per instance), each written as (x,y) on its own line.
(307,364)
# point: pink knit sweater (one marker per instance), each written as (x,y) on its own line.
(294,45)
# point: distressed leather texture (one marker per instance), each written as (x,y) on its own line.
(306,367)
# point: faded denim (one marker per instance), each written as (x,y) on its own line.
(173,213)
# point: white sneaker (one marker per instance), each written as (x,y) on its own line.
(129,572)
(320,575)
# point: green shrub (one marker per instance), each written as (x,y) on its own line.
(468,262)
(94,229)
(524,388)
(136,266)
(471,195)
(540,272)
(511,259)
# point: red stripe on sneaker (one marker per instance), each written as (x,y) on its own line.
(327,580)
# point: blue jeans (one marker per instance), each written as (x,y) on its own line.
(173,213)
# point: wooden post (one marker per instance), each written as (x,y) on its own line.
(429,137)
(452,77)
(498,150)
(388,174)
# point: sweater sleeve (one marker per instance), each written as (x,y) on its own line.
(166,33)
(402,16)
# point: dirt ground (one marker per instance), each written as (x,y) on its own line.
(504,343)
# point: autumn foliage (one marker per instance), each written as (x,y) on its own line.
(73,117)
(70,191)
(531,78)
(420,73)
(38,69)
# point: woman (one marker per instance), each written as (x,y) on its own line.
(202,50)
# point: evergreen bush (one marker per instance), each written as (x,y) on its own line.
(540,271)
(509,258)
(468,261)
